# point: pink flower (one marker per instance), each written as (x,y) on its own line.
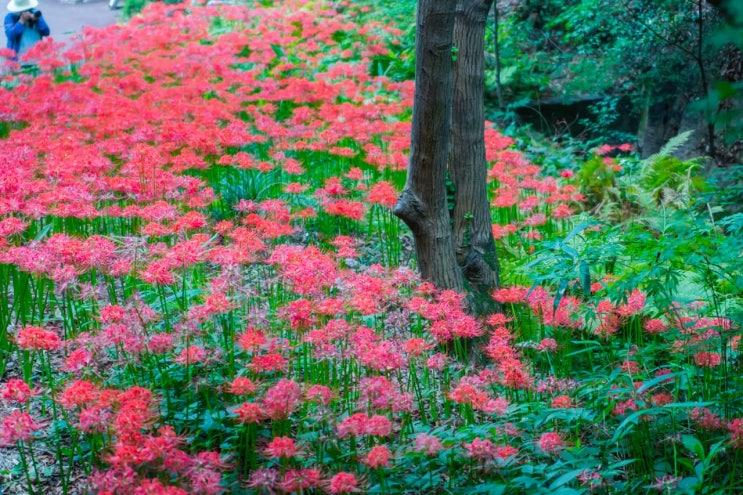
(319,394)
(300,480)
(561,402)
(79,393)
(17,390)
(266,479)
(249,412)
(112,314)
(281,447)
(707,359)
(78,360)
(251,339)
(191,355)
(482,450)
(269,363)
(550,442)
(437,361)
(561,211)
(37,338)
(497,406)
(382,193)
(707,419)
(282,399)
(94,419)
(428,444)
(621,408)
(547,345)
(416,346)
(661,399)
(17,427)
(160,343)
(378,457)
(655,326)
(378,426)
(242,386)
(343,483)
(505,452)
(354,425)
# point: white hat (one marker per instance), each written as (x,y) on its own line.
(21,5)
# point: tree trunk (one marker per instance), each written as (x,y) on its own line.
(473,231)
(422,205)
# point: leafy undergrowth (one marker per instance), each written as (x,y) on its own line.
(207,292)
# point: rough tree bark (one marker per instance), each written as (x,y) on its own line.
(422,205)
(473,230)
(448,136)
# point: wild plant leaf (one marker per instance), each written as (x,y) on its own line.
(566,478)
(43,232)
(632,420)
(648,384)
(578,229)
(488,489)
(733,224)
(560,294)
(693,445)
(671,146)
(687,405)
(585,278)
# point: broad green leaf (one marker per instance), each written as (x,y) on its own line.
(566,478)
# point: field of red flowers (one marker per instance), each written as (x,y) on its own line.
(203,289)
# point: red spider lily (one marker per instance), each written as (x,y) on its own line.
(437,362)
(251,339)
(319,394)
(112,314)
(300,480)
(343,483)
(191,355)
(428,444)
(382,193)
(307,270)
(12,225)
(269,363)
(361,424)
(736,432)
(707,419)
(242,386)
(94,419)
(299,313)
(550,442)
(155,487)
(17,390)
(707,359)
(481,450)
(282,399)
(249,413)
(378,457)
(562,402)
(78,360)
(16,427)
(281,447)
(36,338)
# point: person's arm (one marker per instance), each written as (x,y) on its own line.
(13,26)
(42,26)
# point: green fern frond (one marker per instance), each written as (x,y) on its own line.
(671,146)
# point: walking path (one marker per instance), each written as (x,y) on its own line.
(66,19)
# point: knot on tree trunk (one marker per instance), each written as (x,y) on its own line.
(477,270)
(410,209)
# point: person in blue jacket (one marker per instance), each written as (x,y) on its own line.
(24,25)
